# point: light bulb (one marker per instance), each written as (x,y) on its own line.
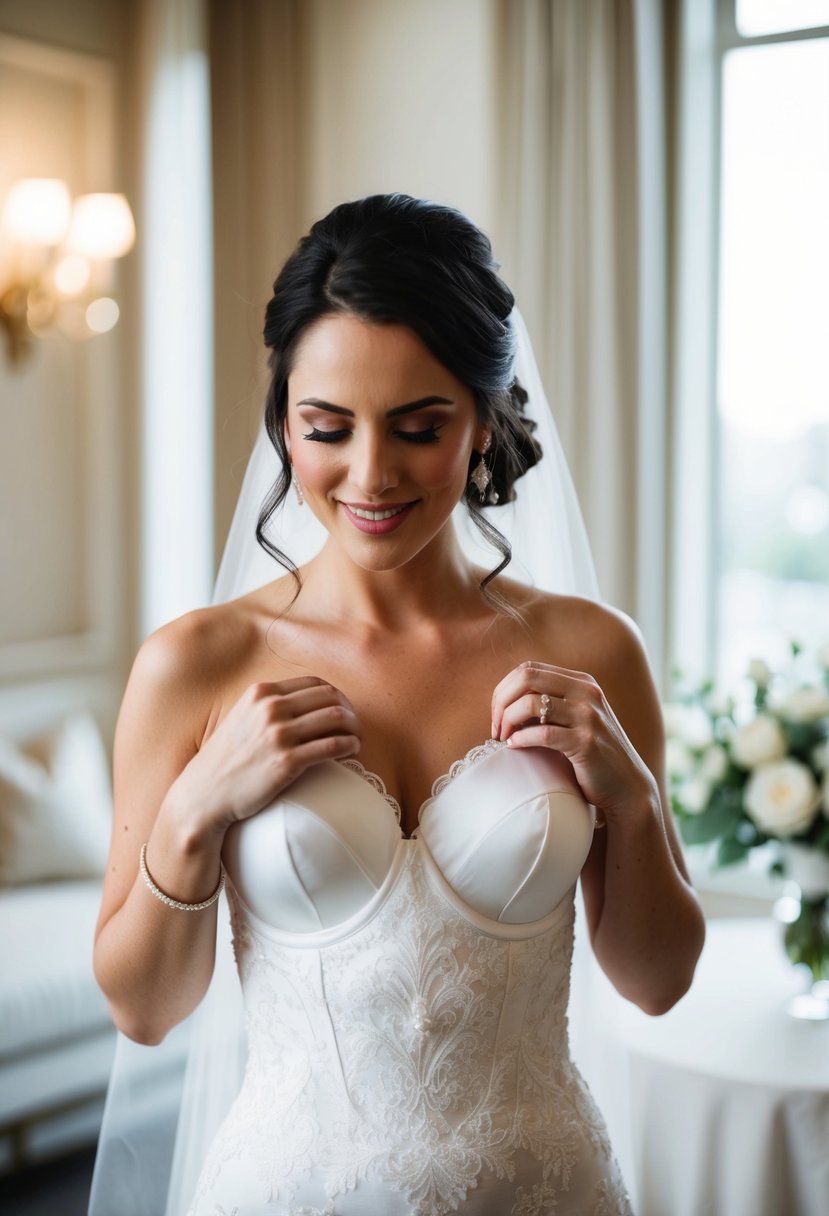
(102,315)
(102,226)
(37,211)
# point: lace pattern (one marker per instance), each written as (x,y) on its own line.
(375,782)
(418,1059)
(473,756)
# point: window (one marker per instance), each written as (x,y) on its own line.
(773,346)
(751,451)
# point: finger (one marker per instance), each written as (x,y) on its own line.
(555,737)
(305,700)
(278,688)
(293,764)
(319,723)
(529,709)
(534,677)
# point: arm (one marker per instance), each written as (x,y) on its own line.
(645,923)
(179,792)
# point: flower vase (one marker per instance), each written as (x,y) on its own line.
(805,917)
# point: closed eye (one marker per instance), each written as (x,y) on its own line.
(429,435)
(325,436)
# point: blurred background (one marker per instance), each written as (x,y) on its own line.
(654,177)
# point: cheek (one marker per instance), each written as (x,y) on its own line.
(445,468)
(317,465)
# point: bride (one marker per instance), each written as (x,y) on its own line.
(403,942)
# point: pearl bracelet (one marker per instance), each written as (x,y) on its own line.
(176,903)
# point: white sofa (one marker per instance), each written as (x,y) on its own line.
(56,1037)
(57,1040)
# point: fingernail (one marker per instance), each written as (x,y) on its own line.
(509,741)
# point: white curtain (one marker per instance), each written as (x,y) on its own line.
(175,249)
(583,234)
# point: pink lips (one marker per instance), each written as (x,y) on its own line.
(377,527)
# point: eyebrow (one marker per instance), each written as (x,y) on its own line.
(408,408)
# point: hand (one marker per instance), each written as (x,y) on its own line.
(580,724)
(273,733)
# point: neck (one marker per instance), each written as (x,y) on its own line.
(438,585)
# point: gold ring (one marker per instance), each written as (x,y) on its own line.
(545,705)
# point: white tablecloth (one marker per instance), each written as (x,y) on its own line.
(729,1093)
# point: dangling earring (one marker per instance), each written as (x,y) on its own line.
(481,477)
(300,497)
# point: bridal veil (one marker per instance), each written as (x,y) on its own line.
(157,1125)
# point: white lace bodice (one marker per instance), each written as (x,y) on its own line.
(406,1002)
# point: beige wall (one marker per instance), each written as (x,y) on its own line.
(66,483)
(316,102)
(401,98)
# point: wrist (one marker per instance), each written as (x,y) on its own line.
(188,826)
(639,807)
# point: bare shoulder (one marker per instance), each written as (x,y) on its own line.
(190,671)
(183,665)
(579,633)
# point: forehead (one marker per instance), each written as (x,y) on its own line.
(343,353)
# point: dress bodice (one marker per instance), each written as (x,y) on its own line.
(406,1001)
(508,831)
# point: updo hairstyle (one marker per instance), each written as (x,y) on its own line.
(396,260)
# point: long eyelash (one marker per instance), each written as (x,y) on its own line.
(324,436)
(430,435)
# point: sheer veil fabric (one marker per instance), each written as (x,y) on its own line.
(147,1166)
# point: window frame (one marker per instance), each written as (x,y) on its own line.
(708,32)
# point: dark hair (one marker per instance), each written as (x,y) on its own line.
(392,259)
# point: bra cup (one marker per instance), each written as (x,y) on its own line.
(313,858)
(559,862)
(509,847)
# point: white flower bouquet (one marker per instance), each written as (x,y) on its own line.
(744,775)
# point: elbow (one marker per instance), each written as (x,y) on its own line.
(655,1004)
(138,1030)
(662,997)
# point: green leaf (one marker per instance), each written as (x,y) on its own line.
(720,818)
(731,850)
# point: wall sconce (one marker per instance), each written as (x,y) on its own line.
(59,257)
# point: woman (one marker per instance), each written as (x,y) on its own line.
(403,944)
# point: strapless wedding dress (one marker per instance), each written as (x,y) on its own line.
(406,1001)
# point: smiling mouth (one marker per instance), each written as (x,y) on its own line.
(380,513)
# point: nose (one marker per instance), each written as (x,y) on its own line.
(373,467)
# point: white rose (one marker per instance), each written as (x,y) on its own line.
(693,795)
(678,759)
(820,756)
(713,763)
(672,713)
(759,672)
(688,723)
(782,798)
(804,705)
(758,742)
(718,704)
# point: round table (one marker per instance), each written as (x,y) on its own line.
(729,1094)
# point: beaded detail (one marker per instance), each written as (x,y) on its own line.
(168,899)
